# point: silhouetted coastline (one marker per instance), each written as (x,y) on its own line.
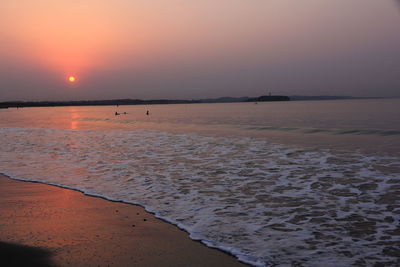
(114,102)
(265,98)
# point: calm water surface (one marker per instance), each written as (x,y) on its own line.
(280,183)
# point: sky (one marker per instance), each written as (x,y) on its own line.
(179,49)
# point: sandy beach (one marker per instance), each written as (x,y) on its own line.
(44,225)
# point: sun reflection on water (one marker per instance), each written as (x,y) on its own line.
(74,119)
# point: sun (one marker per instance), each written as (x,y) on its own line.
(72,79)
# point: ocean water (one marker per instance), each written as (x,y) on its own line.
(274,184)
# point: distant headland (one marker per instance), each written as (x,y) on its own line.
(114,102)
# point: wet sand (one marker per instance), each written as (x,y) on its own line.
(42,225)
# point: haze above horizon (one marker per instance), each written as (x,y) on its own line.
(177,49)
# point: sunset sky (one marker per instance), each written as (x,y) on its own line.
(181,49)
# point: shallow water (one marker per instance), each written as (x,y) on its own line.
(265,200)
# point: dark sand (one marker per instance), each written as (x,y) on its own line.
(42,225)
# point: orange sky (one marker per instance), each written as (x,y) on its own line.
(67,36)
(179,42)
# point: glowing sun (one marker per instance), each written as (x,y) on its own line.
(71,79)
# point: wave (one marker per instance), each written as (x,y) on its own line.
(380,132)
(302,130)
(265,203)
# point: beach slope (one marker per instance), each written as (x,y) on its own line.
(61,227)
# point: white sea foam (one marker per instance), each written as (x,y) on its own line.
(267,204)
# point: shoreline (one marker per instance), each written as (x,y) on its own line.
(61,227)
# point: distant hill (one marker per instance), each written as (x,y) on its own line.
(115,102)
(226,99)
(265,98)
(112,102)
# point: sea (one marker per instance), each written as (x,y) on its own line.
(296,183)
